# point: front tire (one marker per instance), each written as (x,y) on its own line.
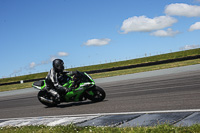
(99,94)
(46,99)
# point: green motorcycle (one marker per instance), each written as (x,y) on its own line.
(86,90)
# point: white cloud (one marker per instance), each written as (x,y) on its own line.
(144,24)
(187,47)
(44,62)
(51,58)
(16,71)
(97,42)
(32,65)
(163,33)
(195,26)
(181,9)
(61,54)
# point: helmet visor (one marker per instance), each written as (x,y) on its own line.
(60,67)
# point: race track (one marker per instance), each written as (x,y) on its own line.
(164,91)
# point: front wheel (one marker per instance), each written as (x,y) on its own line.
(98,94)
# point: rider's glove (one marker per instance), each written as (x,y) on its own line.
(72,73)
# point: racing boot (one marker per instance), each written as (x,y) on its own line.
(55,95)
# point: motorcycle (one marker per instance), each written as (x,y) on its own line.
(86,90)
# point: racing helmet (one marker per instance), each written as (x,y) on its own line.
(58,65)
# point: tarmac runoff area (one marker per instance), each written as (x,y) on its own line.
(186,117)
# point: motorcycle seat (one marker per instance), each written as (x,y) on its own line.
(39,83)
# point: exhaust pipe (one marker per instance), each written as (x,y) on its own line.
(46,100)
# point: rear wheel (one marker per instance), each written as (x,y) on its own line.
(99,94)
(46,99)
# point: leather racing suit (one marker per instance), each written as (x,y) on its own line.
(53,85)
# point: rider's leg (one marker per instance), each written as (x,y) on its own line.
(53,93)
(51,90)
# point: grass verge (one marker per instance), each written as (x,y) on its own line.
(147,68)
(162,57)
(15,86)
(114,73)
(166,128)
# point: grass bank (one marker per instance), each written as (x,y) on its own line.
(74,129)
(113,64)
(114,73)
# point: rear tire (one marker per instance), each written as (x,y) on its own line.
(45,99)
(99,94)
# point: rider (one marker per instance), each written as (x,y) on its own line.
(52,83)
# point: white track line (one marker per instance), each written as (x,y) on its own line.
(101,114)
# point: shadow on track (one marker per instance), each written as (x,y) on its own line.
(66,105)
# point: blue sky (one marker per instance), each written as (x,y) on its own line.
(87,32)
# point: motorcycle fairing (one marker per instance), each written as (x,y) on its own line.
(76,94)
(39,84)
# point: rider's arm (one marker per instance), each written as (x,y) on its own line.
(70,73)
(54,79)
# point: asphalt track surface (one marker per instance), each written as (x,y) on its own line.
(164,91)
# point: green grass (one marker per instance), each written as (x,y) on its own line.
(24,77)
(114,64)
(144,69)
(166,128)
(15,86)
(110,65)
(113,73)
